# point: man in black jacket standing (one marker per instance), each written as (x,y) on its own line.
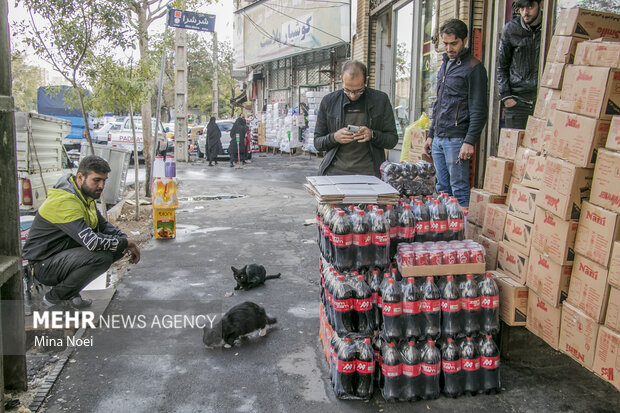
(459,113)
(517,63)
(361,150)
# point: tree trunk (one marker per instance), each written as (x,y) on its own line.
(147,133)
(135,162)
(85,118)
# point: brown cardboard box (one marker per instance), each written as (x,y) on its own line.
(548,279)
(547,101)
(490,249)
(534,172)
(473,231)
(518,233)
(512,262)
(509,141)
(497,175)
(513,301)
(564,187)
(607,356)
(588,24)
(606,180)
(418,139)
(588,289)
(613,139)
(575,138)
(478,200)
(578,334)
(554,236)
(597,231)
(562,49)
(543,319)
(598,53)
(494,221)
(521,158)
(534,133)
(552,76)
(522,202)
(595,90)
(612,319)
(614,266)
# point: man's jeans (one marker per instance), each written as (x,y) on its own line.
(71,270)
(452,172)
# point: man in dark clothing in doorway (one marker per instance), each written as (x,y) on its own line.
(517,63)
(359,150)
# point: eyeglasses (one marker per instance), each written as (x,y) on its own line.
(358,92)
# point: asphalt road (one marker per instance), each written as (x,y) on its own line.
(259,218)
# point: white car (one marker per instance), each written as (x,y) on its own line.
(225,127)
(101,135)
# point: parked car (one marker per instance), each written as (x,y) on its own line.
(101,135)
(225,127)
(123,138)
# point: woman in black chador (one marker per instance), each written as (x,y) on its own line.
(241,129)
(214,142)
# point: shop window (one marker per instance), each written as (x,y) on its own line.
(430,59)
(402,67)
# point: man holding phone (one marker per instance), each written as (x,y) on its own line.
(354,126)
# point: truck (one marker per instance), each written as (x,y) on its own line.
(123,137)
(41,157)
(53,101)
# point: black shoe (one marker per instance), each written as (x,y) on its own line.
(210,164)
(78,302)
(243,162)
(231,165)
(49,303)
(216,162)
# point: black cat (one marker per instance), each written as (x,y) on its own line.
(251,276)
(240,320)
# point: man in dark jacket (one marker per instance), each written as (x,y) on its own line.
(517,63)
(361,151)
(459,113)
(70,243)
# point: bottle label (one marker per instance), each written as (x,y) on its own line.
(365,367)
(406,232)
(471,364)
(411,307)
(343,305)
(488,301)
(439,226)
(392,309)
(456,224)
(451,366)
(470,304)
(489,362)
(430,369)
(422,227)
(411,370)
(394,232)
(450,306)
(362,240)
(430,306)
(380,238)
(391,371)
(345,366)
(342,240)
(379,301)
(375,298)
(363,304)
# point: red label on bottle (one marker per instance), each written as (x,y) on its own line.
(345,366)
(406,232)
(364,304)
(365,367)
(450,306)
(430,369)
(343,305)
(456,224)
(342,240)
(489,301)
(411,307)
(489,362)
(375,297)
(470,304)
(439,226)
(362,240)
(392,309)
(470,364)
(430,306)
(411,370)
(394,232)
(391,371)
(422,227)
(379,301)
(380,238)
(451,366)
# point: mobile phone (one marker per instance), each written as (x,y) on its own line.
(353,128)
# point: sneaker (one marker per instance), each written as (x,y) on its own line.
(78,302)
(48,303)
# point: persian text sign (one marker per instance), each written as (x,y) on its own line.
(190,20)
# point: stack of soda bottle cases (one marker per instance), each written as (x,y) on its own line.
(411,337)
(165,200)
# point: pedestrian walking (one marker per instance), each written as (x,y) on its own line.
(237,149)
(214,141)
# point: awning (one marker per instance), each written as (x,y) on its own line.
(240,99)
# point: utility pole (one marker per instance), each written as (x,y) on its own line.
(216,90)
(180,97)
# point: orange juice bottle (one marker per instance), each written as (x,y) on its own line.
(170,194)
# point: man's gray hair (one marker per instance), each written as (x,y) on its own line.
(354,68)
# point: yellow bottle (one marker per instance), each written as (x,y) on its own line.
(170,194)
(158,193)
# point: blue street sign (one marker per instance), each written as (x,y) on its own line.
(190,20)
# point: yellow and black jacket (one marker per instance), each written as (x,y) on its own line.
(68,220)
